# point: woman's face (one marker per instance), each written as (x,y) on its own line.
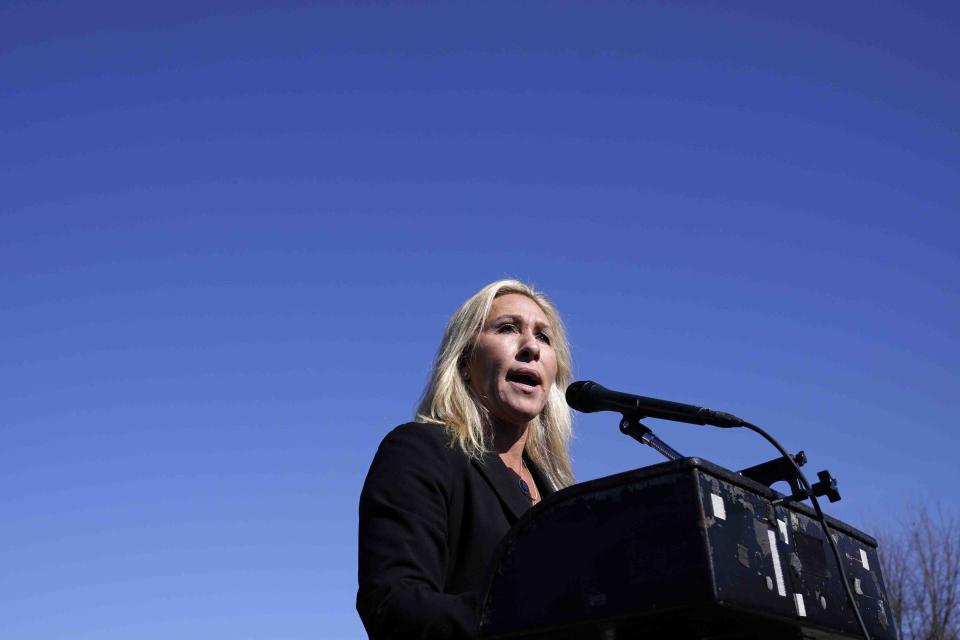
(513,365)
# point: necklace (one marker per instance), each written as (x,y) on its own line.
(524,487)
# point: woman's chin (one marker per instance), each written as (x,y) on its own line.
(517,418)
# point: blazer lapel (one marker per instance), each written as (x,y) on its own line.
(504,483)
(542,485)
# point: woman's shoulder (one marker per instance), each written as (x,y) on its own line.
(438,433)
(420,438)
(418,453)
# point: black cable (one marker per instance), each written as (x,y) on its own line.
(822,519)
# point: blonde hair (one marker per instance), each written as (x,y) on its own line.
(447,400)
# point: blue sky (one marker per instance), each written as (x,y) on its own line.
(231,234)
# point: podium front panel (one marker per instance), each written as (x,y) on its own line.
(684,549)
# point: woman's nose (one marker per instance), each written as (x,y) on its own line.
(529,347)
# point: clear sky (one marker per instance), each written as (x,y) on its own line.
(231,234)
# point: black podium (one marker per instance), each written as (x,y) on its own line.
(683,549)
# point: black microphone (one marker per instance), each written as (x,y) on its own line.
(587,396)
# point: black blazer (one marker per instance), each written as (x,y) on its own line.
(430,520)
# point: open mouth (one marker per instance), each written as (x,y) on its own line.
(525,377)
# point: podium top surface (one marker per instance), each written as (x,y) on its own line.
(681,467)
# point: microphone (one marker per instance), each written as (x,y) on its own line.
(587,396)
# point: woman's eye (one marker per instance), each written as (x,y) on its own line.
(506,328)
(542,337)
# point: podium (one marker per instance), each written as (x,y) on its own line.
(681,550)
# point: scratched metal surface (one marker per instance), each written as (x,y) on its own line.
(796,576)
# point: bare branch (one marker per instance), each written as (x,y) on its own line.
(921,566)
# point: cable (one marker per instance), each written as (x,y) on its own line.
(822,519)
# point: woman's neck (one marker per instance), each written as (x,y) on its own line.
(509,442)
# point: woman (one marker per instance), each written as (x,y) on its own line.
(490,440)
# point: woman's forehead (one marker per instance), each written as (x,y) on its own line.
(520,306)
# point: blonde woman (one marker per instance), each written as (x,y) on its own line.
(490,440)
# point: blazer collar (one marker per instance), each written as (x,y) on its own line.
(505,483)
